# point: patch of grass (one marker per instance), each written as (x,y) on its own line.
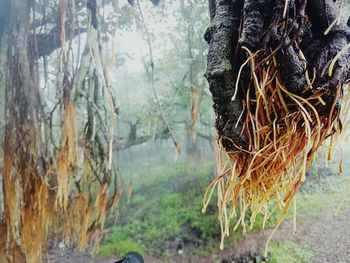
(270,223)
(289,252)
(119,242)
(312,204)
(166,206)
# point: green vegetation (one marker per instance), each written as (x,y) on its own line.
(119,241)
(289,252)
(165,211)
(323,190)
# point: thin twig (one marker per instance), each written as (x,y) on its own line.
(151,76)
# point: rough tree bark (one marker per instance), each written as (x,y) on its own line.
(223,35)
(23,171)
(256,25)
(30,182)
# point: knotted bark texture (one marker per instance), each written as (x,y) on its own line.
(277,70)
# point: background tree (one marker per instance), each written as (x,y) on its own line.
(37,174)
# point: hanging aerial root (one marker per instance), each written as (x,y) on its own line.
(33,234)
(195,103)
(26,194)
(77,222)
(84,231)
(3,234)
(66,156)
(284,131)
(277,72)
(116,199)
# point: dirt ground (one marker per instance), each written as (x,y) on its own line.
(328,236)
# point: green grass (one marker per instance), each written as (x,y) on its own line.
(119,242)
(289,252)
(167,203)
(315,198)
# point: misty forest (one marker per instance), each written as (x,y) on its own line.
(174,131)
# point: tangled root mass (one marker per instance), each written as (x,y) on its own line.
(278,72)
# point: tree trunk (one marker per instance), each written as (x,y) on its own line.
(24,174)
(32,180)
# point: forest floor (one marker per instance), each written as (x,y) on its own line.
(321,235)
(325,237)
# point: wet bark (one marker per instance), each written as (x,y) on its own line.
(292,68)
(222,36)
(322,13)
(253,23)
(279,29)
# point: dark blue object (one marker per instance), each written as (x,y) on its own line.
(131,257)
